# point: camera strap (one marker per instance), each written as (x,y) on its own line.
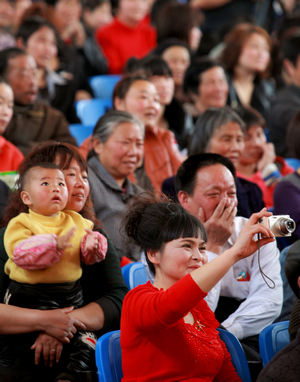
(263,275)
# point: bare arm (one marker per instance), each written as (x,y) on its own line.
(57,323)
(91,315)
(208,4)
(207,276)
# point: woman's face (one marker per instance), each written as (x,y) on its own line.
(255,54)
(122,152)
(142,101)
(213,89)
(6,106)
(178,59)
(228,141)
(77,185)
(179,258)
(69,11)
(255,142)
(165,88)
(42,46)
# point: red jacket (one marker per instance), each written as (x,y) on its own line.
(120,42)
(10,156)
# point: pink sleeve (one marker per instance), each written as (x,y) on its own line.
(97,255)
(37,252)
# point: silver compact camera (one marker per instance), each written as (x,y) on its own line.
(280,225)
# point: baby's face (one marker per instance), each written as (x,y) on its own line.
(45,191)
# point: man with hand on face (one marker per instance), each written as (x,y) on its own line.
(33,121)
(205,185)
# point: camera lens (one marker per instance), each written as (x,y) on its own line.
(287,226)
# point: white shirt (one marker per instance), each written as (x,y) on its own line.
(262,305)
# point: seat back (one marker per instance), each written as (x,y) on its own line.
(134,274)
(80,132)
(236,351)
(293,162)
(272,339)
(89,111)
(109,357)
(103,85)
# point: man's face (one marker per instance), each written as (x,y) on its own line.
(213,184)
(22,77)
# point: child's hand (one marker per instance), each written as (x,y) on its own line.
(91,243)
(63,242)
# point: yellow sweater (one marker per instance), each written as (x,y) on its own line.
(25,225)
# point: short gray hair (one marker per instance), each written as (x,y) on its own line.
(206,125)
(106,124)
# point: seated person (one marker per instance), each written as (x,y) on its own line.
(44,258)
(33,121)
(10,155)
(206,85)
(286,102)
(221,131)
(245,304)
(171,116)
(127,36)
(170,321)
(117,152)
(258,162)
(177,55)
(39,39)
(7,12)
(96,14)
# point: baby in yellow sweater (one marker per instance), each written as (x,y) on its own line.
(44,251)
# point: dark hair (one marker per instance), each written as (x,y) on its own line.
(290,49)
(169,43)
(22,180)
(292,268)
(192,77)
(250,116)
(32,25)
(93,4)
(234,42)
(5,56)
(152,65)
(49,151)
(293,136)
(151,222)
(177,20)
(185,179)
(124,85)
(206,125)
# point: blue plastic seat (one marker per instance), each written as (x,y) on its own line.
(80,132)
(109,357)
(272,339)
(238,357)
(293,162)
(103,85)
(134,274)
(89,111)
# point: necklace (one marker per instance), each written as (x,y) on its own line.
(199,326)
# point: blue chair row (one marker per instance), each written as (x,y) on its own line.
(80,132)
(293,162)
(103,85)
(272,339)
(89,111)
(109,357)
(134,274)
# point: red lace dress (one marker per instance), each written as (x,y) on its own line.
(157,345)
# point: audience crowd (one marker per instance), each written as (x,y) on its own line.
(199,147)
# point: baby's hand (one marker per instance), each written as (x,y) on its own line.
(63,242)
(91,243)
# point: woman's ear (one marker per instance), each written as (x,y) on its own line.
(20,43)
(154,256)
(26,198)
(119,104)
(97,145)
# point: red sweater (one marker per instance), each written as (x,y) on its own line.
(158,346)
(120,42)
(10,156)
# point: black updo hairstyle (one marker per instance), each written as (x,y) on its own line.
(151,222)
